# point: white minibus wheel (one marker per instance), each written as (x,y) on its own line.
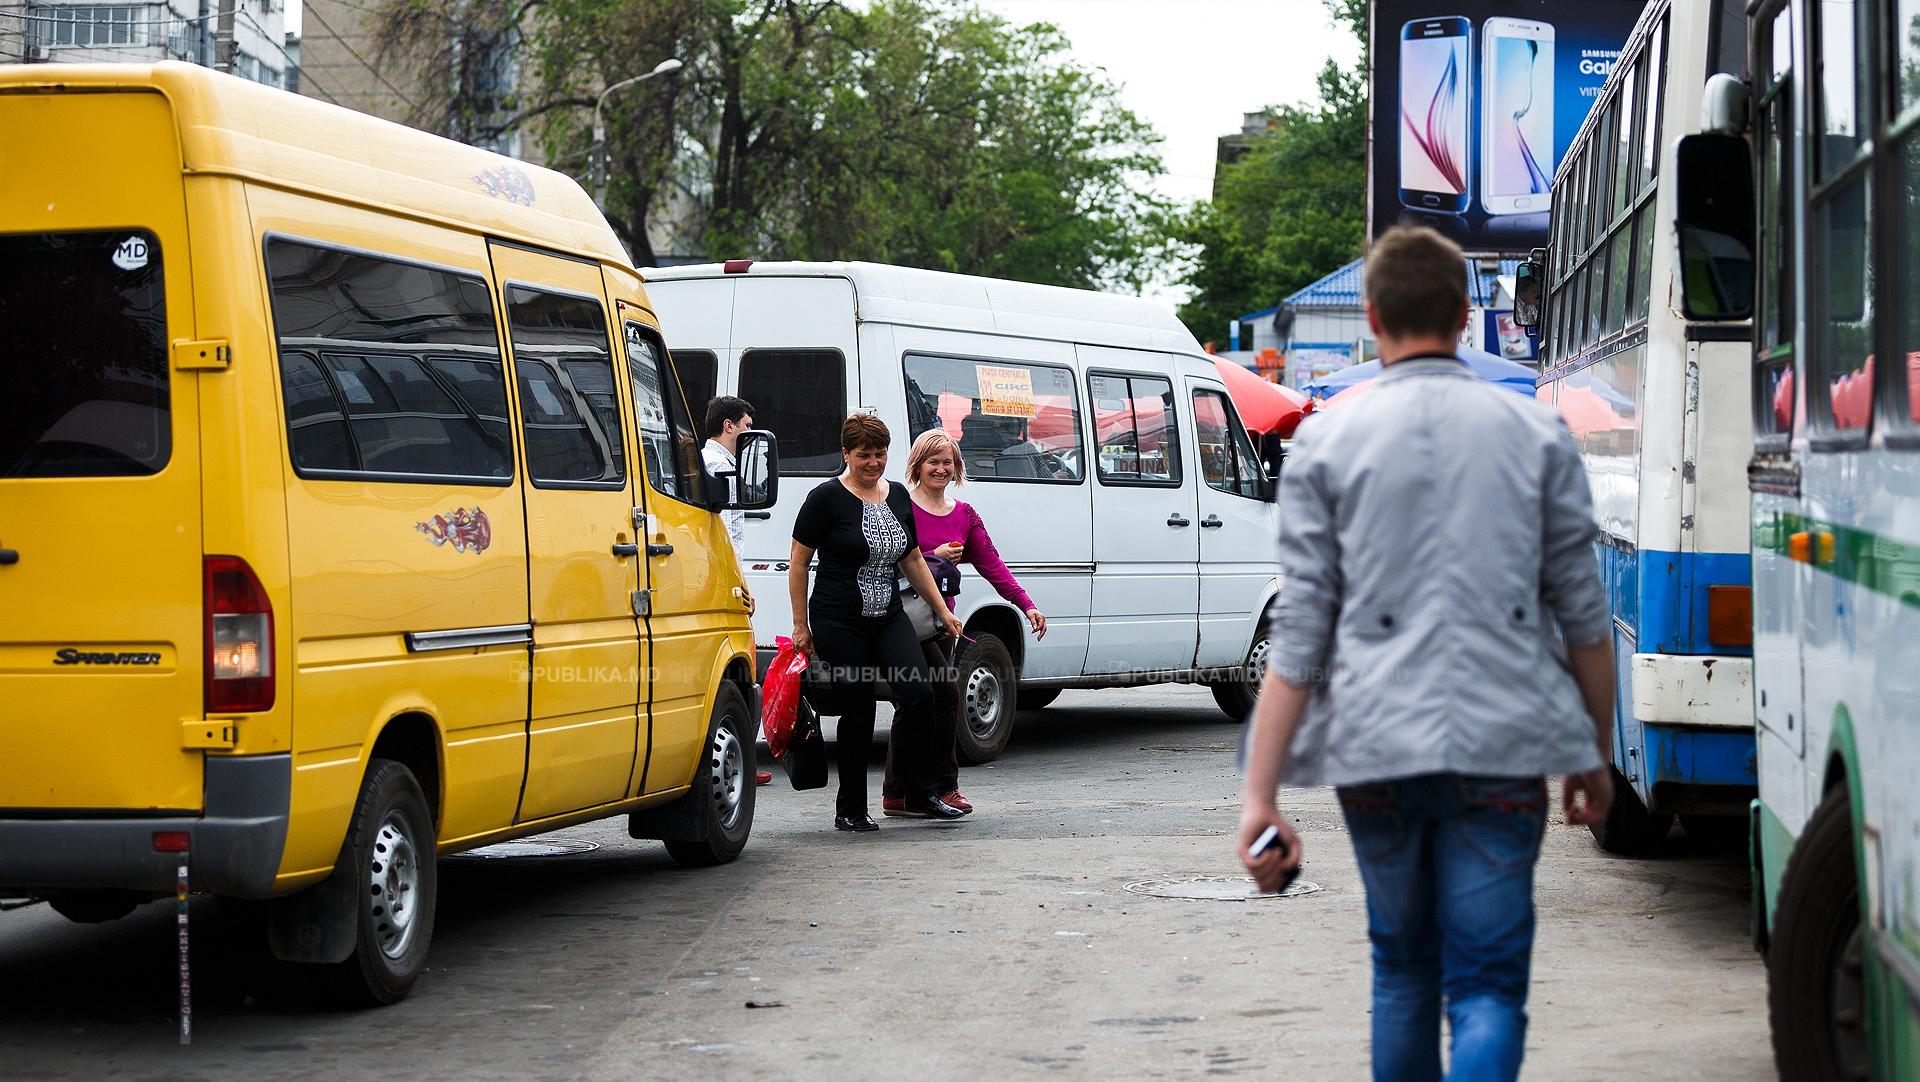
(989,695)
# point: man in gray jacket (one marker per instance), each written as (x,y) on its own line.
(1442,644)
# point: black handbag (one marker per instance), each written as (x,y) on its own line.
(918,609)
(806,759)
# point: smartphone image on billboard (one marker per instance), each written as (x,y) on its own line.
(1516,110)
(1436,77)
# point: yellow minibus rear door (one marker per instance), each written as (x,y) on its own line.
(101,569)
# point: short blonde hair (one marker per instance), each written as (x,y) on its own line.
(930,443)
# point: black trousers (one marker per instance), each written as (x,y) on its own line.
(944,730)
(858,651)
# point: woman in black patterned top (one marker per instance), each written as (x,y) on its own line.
(862,527)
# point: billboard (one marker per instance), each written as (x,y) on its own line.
(1473,106)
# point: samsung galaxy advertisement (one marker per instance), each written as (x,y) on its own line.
(1474,105)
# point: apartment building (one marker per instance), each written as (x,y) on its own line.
(245,37)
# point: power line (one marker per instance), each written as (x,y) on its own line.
(355,53)
(292,64)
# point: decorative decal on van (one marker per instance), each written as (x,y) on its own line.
(70,656)
(465,528)
(508,183)
(131,255)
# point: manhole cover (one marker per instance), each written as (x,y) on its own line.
(1213,888)
(532,848)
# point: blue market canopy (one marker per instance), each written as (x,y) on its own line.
(1517,378)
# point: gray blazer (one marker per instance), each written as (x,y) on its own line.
(1437,539)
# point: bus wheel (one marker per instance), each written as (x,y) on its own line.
(711,822)
(1630,830)
(389,858)
(989,695)
(1236,695)
(1816,990)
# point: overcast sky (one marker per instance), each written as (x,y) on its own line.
(1192,67)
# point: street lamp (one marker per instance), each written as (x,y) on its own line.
(665,67)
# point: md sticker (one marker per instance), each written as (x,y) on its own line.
(131,255)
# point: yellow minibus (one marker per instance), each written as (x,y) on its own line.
(351,513)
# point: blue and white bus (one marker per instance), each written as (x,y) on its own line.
(1658,406)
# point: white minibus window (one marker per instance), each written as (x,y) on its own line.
(799,395)
(1134,428)
(1013,420)
(699,374)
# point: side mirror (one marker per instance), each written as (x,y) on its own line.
(1713,175)
(758,482)
(1528,282)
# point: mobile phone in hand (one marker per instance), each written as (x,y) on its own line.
(1270,839)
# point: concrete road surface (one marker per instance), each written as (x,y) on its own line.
(1007,945)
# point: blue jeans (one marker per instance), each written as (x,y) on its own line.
(1448,864)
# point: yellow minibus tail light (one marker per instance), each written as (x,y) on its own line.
(1730,615)
(239,638)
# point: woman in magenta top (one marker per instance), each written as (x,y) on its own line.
(949,528)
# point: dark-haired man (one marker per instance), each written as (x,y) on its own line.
(1442,644)
(726,418)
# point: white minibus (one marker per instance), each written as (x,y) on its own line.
(1110,467)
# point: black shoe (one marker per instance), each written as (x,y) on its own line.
(932,808)
(859,822)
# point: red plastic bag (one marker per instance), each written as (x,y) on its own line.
(780,695)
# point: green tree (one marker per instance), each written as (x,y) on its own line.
(1293,209)
(919,132)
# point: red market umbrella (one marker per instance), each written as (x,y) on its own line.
(1263,406)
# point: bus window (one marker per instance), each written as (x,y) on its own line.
(1773,385)
(1842,292)
(1910,275)
(1618,279)
(1656,101)
(1906,32)
(1841,115)
(1625,178)
(1642,265)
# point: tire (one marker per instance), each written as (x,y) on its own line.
(1237,697)
(1037,698)
(1630,830)
(1816,990)
(711,823)
(989,698)
(389,849)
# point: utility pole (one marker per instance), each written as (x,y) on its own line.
(203,35)
(223,47)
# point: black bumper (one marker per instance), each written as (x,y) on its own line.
(236,844)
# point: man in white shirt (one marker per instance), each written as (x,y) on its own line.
(726,418)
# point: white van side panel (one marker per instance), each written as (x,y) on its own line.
(1146,543)
(1043,531)
(1239,565)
